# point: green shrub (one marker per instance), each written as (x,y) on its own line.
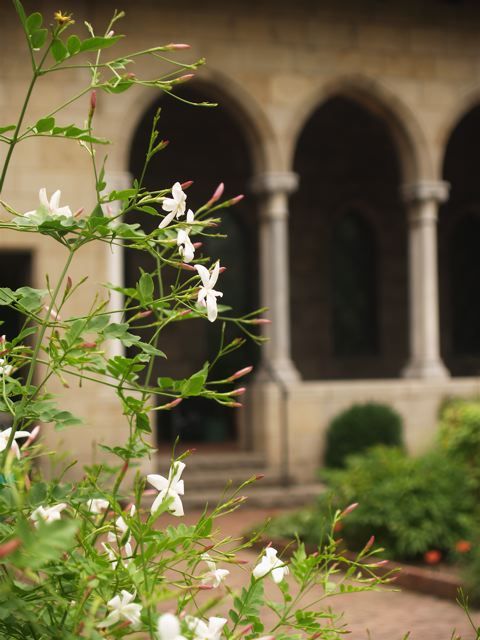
(359,428)
(410,505)
(460,433)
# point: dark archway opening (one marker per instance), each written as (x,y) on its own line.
(459,255)
(207,146)
(348,166)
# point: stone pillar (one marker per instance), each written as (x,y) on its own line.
(273,190)
(117,181)
(423,199)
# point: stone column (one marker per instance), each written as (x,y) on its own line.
(117,181)
(273,190)
(423,199)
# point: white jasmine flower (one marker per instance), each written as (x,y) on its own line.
(213,575)
(169,627)
(123,607)
(269,563)
(48,514)
(185,246)
(97,505)
(5,369)
(170,488)
(5,435)
(175,205)
(124,551)
(207,296)
(204,631)
(49,208)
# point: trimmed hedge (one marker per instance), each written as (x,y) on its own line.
(359,428)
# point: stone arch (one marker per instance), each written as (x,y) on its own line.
(465,103)
(346,154)
(458,238)
(250,117)
(206,146)
(409,139)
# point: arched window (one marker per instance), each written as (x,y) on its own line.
(353,277)
(465,285)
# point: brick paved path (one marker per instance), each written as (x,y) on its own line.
(379,615)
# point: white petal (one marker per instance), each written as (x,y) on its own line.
(55,201)
(167,219)
(176,506)
(215,626)
(175,473)
(157,502)
(277,574)
(168,627)
(179,487)
(112,618)
(42,195)
(65,212)
(204,274)
(190,216)
(212,311)
(159,482)
(215,272)
(262,568)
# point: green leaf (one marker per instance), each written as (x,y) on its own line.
(33,22)
(150,349)
(118,85)
(195,384)
(38,38)
(96,43)
(45,124)
(59,50)
(8,127)
(20,10)
(145,288)
(74,45)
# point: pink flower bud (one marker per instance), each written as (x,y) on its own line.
(197,245)
(349,509)
(259,476)
(233,404)
(186,267)
(69,284)
(88,345)
(144,314)
(240,373)
(110,34)
(382,563)
(93,101)
(246,630)
(369,543)
(222,269)
(236,199)
(9,547)
(260,321)
(184,78)
(172,404)
(33,436)
(238,392)
(217,194)
(241,561)
(205,587)
(186,184)
(177,46)
(185,312)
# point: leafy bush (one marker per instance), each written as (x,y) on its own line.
(359,428)
(460,433)
(410,505)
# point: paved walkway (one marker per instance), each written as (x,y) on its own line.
(382,615)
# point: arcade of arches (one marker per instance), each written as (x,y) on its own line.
(340,249)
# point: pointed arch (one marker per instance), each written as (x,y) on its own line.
(408,137)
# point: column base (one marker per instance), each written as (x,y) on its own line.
(433,370)
(283,371)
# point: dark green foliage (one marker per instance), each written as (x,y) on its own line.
(410,505)
(460,433)
(359,428)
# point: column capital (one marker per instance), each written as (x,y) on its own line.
(425,191)
(274,182)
